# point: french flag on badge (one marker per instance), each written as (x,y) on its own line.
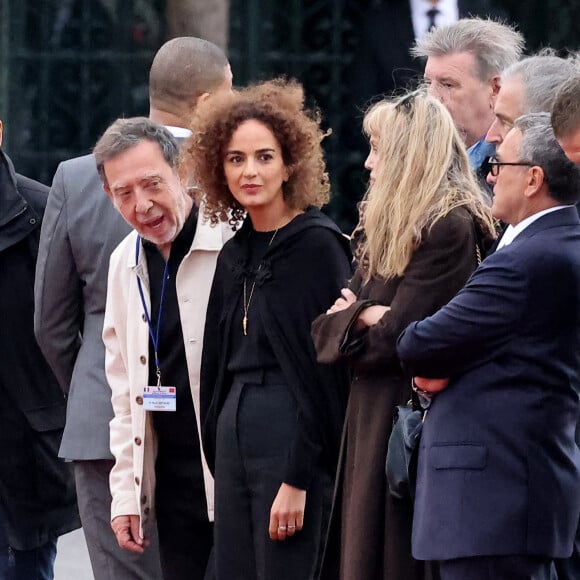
(171,390)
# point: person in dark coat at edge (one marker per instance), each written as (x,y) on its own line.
(37,497)
(272,415)
(421,225)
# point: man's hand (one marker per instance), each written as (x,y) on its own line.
(126,530)
(347,298)
(287,513)
(430,385)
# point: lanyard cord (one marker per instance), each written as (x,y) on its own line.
(154,335)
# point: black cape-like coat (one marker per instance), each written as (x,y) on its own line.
(301,276)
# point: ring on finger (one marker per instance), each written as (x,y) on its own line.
(291,527)
(283,528)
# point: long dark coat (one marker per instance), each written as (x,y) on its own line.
(37,497)
(375,542)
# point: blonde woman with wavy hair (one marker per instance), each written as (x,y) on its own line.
(423,228)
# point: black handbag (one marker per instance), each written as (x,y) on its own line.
(403,449)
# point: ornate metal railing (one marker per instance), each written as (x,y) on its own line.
(68,67)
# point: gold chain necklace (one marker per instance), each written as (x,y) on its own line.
(247,302)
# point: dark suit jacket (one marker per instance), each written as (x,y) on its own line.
(382,62)
(499,470)
(37,497)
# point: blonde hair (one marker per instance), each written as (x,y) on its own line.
(422,174)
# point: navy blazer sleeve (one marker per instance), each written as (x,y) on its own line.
(480,320)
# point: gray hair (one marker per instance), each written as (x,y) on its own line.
(566,110)
(541,75)
(494,45)
(540,147)
(124,134)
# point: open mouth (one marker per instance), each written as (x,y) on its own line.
(154,223)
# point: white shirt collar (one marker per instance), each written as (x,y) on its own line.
(448,14)
(179,132)
(512,232)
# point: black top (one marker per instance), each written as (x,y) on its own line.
(303,271)
(180,491)
(253,350)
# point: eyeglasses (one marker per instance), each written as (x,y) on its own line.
(494,165)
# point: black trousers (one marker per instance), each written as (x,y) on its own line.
(496,568)
(184,550)
(255,428)
(569,568)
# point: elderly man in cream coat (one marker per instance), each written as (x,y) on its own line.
(159,284)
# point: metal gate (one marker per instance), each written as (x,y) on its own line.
(67,69)
(314,42)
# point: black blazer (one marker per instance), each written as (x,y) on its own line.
(499,469)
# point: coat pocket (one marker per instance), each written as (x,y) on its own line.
(458,456)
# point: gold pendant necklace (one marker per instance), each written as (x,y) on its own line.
(246,302)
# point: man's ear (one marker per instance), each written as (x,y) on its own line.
(201,98)
(535,181)
(1,127)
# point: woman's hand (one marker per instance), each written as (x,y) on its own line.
(287,513)
(347,298)
(126,530)
(371,315)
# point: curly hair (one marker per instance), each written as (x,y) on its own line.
(279,105)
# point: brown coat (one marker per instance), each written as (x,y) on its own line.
(376,529)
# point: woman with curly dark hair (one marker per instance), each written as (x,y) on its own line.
(271,414)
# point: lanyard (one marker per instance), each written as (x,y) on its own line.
(154,335)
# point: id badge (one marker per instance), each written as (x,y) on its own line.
(159,398)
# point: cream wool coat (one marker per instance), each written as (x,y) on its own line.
(126,338)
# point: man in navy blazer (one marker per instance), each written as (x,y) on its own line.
(498,485)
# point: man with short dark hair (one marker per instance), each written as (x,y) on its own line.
(160,278)
(81,229)
(499,469)
(566,125)
(566,118)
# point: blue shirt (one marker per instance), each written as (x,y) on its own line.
(479,152)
